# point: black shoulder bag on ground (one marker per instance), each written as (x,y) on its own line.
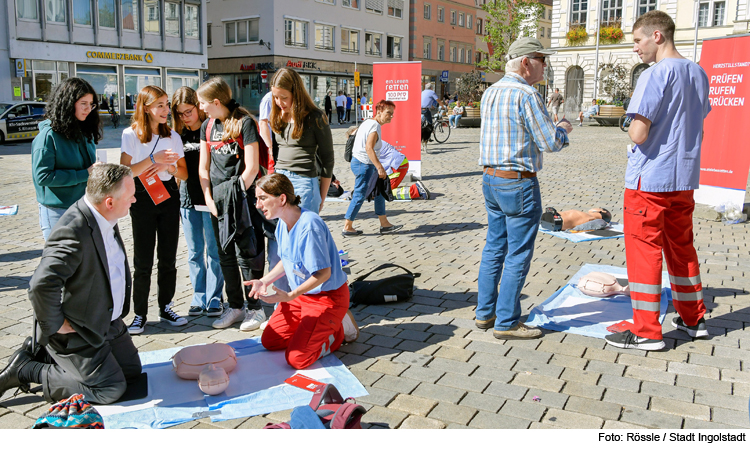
(349,148)
(380,291)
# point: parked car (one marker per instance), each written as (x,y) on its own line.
(20,120)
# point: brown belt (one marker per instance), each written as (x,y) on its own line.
(508,174)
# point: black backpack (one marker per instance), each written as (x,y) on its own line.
(380,291)
(349,147)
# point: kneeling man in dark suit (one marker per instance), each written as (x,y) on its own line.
(79,293)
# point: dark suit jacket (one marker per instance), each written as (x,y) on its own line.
(74,266)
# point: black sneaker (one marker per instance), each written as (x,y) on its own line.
(138,325)
(195,311)
(214,309)
(628,340)
(171,317)
(696,331)
(391,229)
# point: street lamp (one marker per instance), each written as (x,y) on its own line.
(697,21)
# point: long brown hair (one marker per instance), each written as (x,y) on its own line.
(218,89)
(141,123)
(187,96)
(302,104)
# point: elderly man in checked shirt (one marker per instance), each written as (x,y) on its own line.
(516,130)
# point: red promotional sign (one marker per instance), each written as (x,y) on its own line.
(401,83)
(725,154)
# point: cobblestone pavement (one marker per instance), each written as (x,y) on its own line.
(424,362)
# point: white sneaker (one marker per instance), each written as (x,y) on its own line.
(229,317)
(351,331)
(253,319)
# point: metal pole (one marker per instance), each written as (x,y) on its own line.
(695,40)
(596,60)
(357,105)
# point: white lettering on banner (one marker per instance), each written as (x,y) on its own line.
(726,78)
(732,64)
(727,101)
(397,96)
(722,90)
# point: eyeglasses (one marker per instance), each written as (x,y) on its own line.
(187,113)
(540,58)
(85,105)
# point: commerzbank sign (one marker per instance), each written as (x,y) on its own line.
(147,58)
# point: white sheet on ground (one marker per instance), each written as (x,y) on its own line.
(570,310)
(585,236)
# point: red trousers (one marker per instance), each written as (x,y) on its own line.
(656,222)
(308,327)
(413,192)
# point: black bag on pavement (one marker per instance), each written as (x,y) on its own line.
(380,291)
(349,147)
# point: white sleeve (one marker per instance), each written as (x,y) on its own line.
(126,144)
(265,108)
(177,145)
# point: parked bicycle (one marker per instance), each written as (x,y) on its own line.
(115,117)
(625,122)
(441,129)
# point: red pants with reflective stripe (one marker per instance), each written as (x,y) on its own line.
(656,222)
(402,170)
(308,327)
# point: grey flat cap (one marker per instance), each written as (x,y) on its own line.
(525,46)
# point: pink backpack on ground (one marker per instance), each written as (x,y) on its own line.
(332,410)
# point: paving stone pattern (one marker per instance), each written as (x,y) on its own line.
(424,362)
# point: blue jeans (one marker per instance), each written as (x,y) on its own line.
(308,190)
(363,173)
(514,207)
(203,258)
(453,120)
(48,217)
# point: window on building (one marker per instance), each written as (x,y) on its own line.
(151,16)
(372,44)
(192,29)
(711,14)
(719,11)
(461,55)
(427,48)
(324,37)
(393,47)
(478,57)
(479,26)
(574,88)
(453,17)
(644,6)
(441,14)
(541,32)
(549,14)
(469,25)
(242,31)
(349,41)
(578,11)
(374,6)
(469,54)
(81,12)
(549,32)
(295,33)
(441,51)
(55,11)
(350,4)
(330,2)
(172,18)
(27,9)
(130,15)
(427,11)
(460,19)
(611,12)
(452,54)
(208,34)
(396,8)
(107,13)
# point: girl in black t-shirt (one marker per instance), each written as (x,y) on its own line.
(203,256)
(229,158)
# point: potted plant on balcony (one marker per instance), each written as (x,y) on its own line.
(611,33)
(576,35)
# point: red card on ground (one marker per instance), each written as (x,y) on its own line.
(620,327)
(155,188)
(303,382)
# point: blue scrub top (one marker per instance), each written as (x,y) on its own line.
(307,248)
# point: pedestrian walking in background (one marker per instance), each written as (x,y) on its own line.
(340,106)
(203,255)
(555,100)
(64,151)
(154,151)
(668,107)
(516,131)
(329,108)
(349,103)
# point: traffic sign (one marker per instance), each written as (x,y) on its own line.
(264,75)
(444,76)
(356,79)
(20,68)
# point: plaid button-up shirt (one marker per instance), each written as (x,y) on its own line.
(516,128)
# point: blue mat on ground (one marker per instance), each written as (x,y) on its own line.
(585,236)
(256,386)
(570,310)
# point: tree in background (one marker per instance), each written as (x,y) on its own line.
(613,78)
(508,20)
(469,87)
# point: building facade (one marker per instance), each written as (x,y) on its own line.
(118,46)
(443,37)
(574,29)
(323,40)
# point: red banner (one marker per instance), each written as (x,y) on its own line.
(401,83)
(725,154)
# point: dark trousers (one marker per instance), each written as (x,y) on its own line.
(348,114)
(329,113)
(150,222)
(340,113)
(100,374)
(238,262)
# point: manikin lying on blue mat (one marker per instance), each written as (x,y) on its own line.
(575,220)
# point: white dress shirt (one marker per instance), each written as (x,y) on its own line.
(115,260)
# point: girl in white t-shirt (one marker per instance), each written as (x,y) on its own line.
(154,152)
